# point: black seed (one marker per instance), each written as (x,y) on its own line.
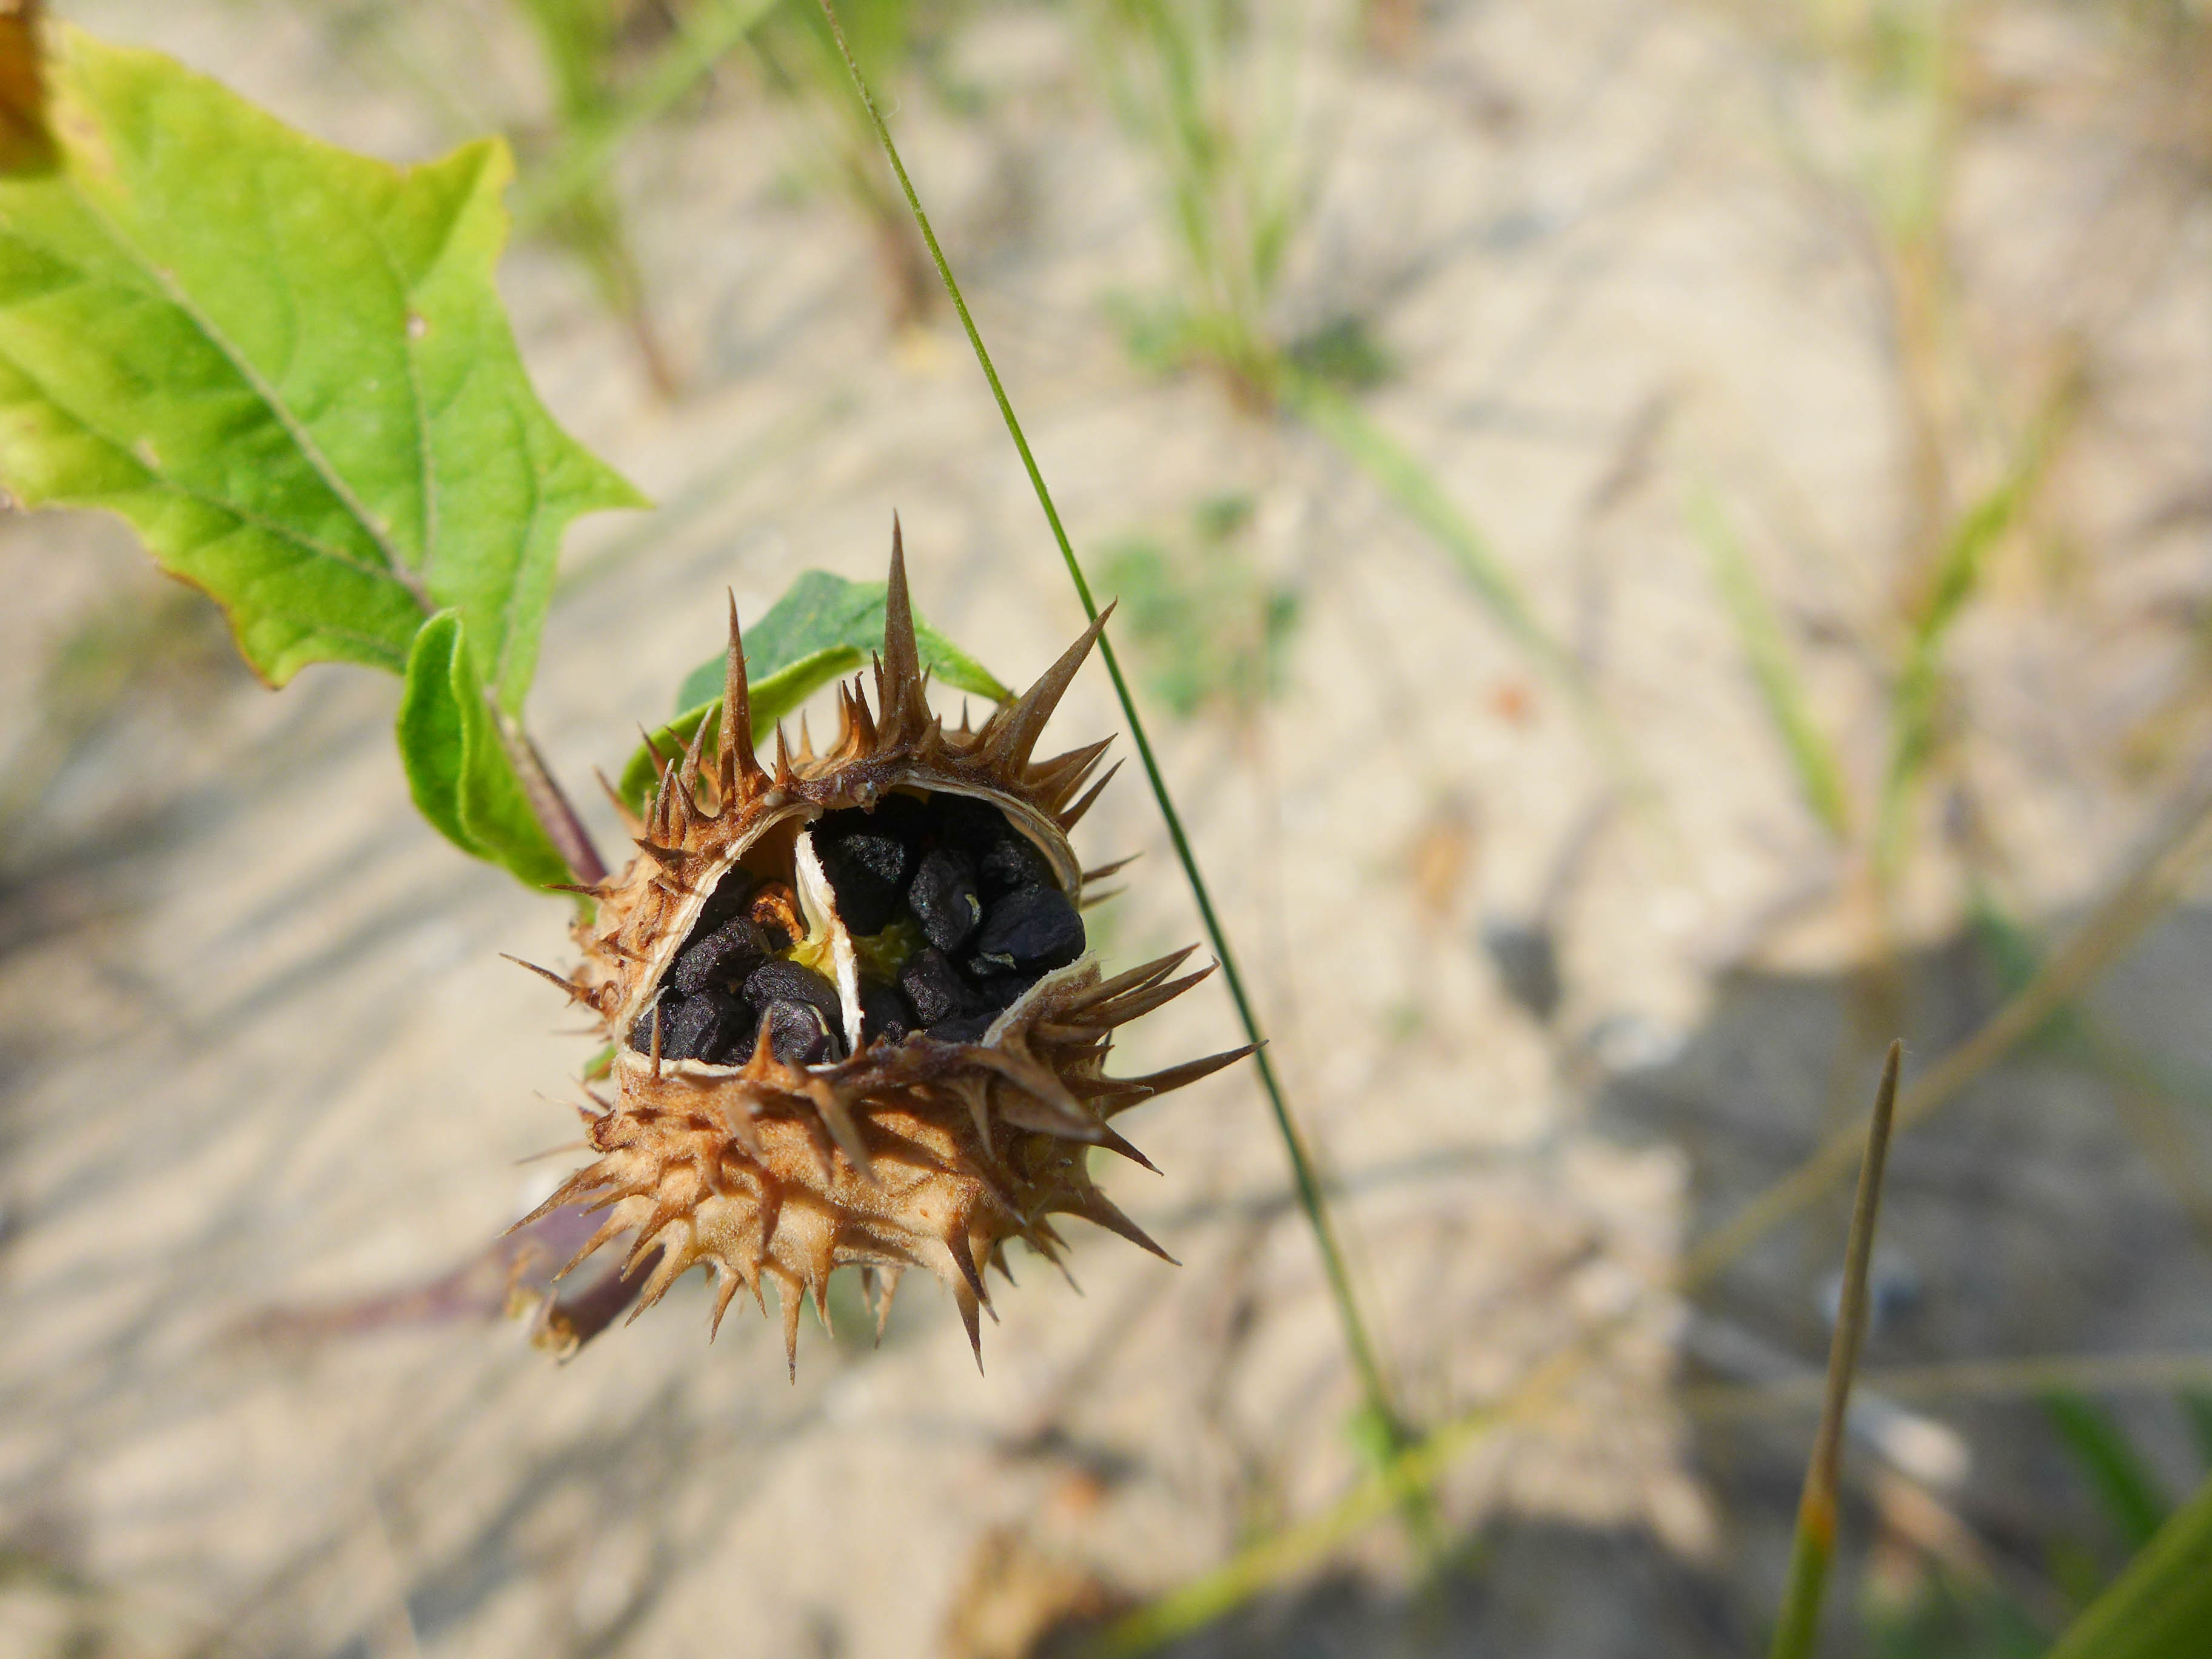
(799,1035)
(867,864)
(932,985)
(944,899)
(999,990)
(1006,858)
(692,1026)
(727,900)
(884,1015)
(1028,929)
(907,817)
(740,1036)
(1011,864)
(962,1028)
(800,1007)
(966,823)
(727,956)
(792,982)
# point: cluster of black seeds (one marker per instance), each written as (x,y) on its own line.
(959,910)
(732,978)
(962,905)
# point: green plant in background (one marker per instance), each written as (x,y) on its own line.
(2162,1605)
(1209,89)
(579,40)
(613,68)
(1212,632)
(598,105)
(1208,86)
(800,57)
(1903,67)
(1900,68)
(1974,463)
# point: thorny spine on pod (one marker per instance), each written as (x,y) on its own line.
(856,1023)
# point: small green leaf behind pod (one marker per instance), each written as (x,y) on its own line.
(824,626)
(288,367)
(457,767)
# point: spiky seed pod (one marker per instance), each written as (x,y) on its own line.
(855,1022)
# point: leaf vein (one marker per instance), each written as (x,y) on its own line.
(298,538)
(425,461)
(309,450)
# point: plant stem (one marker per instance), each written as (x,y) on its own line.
(549,802)
(1796,1631)
(1378,1400)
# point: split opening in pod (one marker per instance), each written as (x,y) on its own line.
(930,912)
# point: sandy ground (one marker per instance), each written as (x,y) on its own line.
(258,1051)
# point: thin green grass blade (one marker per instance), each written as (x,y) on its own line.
(1774,670)
(1365,1363)
(2160,1608)
(1915,700)
(1796,1631)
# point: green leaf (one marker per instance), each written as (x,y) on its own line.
(286,366)
(824,626)
(457,767)
(2161,1607)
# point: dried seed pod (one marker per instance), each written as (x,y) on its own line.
(902,1111)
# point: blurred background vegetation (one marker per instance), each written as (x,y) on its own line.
(1669,545)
